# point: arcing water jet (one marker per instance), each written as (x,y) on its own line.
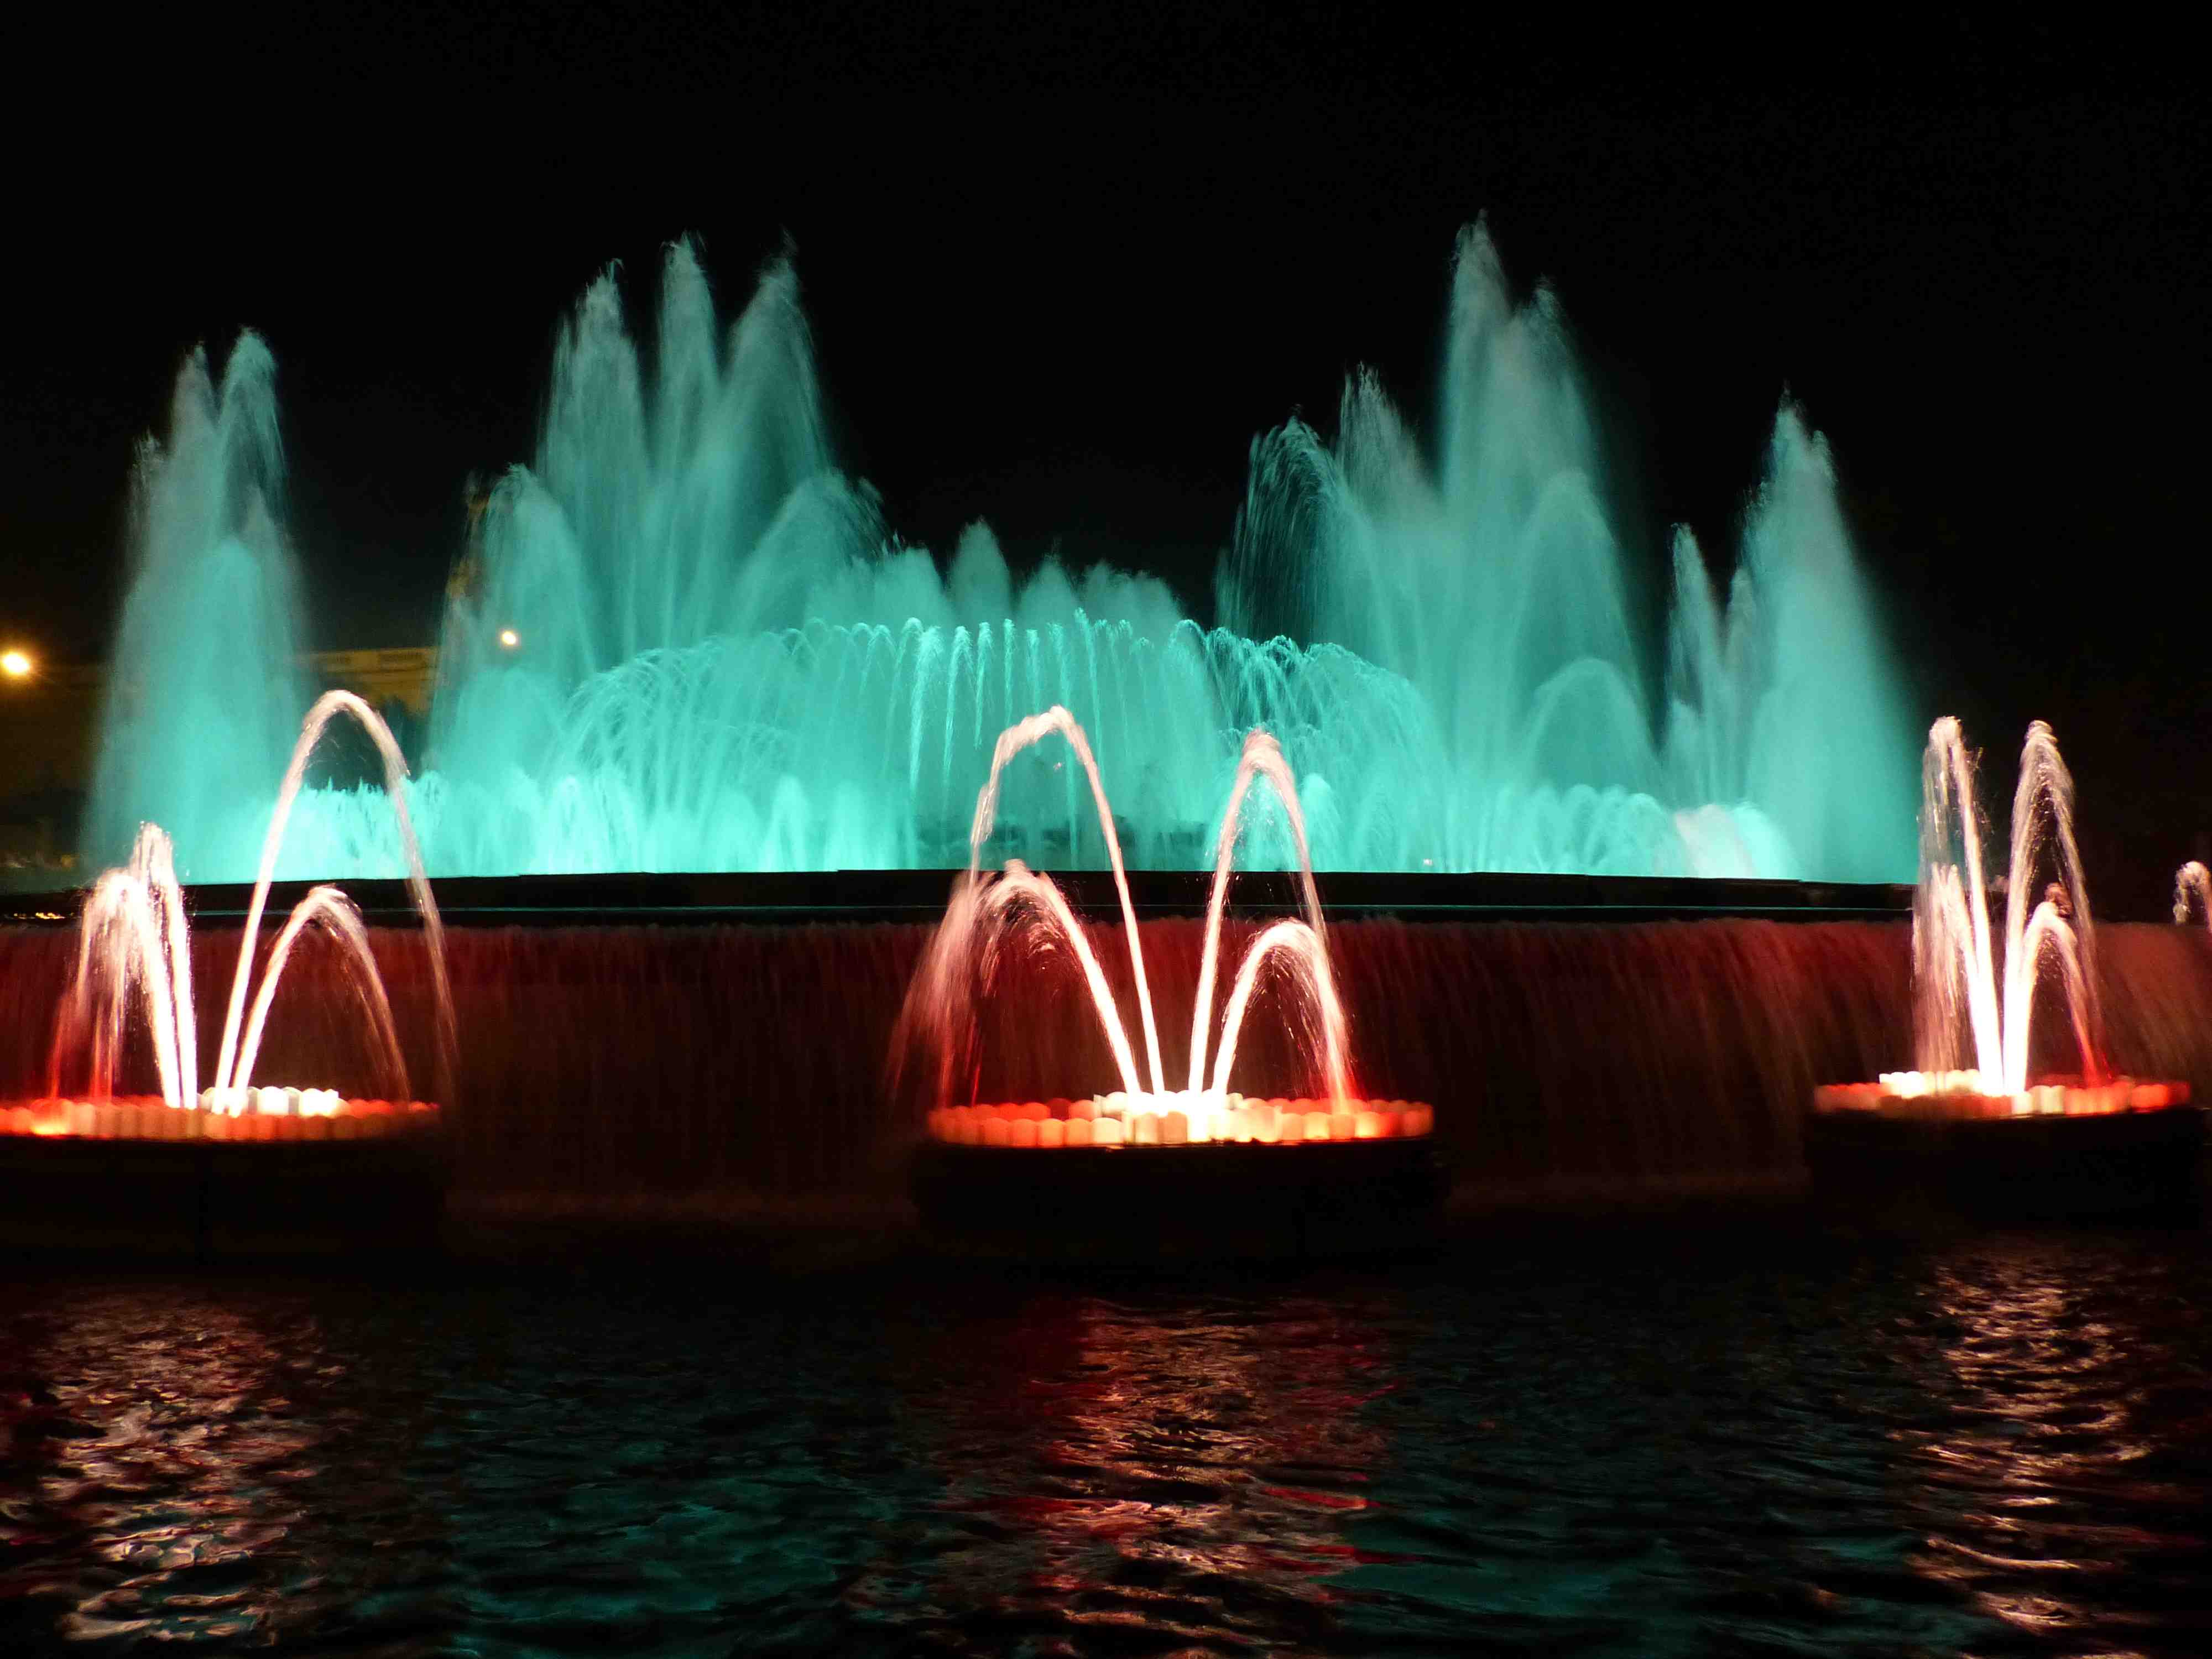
(133,936)
(986,913)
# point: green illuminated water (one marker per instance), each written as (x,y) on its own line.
(682,638)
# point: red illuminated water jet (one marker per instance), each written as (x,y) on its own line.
(1963,1110)
(134,951)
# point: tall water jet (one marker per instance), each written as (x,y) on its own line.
(132,936)
(203,688)
(1955,968)
(1490,574)
(693,502)
(683,641)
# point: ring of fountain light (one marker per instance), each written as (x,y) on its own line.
(1962,1094)
(267,1113)
(1111,1122)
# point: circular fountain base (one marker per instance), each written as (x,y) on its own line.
(2099,1166)
(363,1199)
(1219,1200)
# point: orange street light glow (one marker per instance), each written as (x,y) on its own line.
(15,665)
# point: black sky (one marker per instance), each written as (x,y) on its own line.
(1061,268)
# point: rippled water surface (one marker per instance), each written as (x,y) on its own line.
(1628,1445)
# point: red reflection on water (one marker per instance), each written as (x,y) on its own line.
(1160,1457)
(163,1443)
(1326,1500)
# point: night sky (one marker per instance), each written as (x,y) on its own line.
(1062,269)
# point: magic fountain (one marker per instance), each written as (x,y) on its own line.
(134,953)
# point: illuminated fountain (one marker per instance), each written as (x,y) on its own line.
(134,952)
(990,917)
(683,639)
(1973,1043)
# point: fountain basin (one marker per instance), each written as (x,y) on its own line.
(2058,1150)
(1212,1199)
(138,1177)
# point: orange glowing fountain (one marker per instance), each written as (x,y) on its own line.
(1958,1015)
(985,916)
(133,937)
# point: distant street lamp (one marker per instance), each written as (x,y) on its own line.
(15,665)
(509,638)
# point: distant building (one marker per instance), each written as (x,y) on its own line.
(405,677)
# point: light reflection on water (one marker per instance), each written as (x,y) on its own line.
(1632,1446)
(1192,1465)
(2065,1491)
